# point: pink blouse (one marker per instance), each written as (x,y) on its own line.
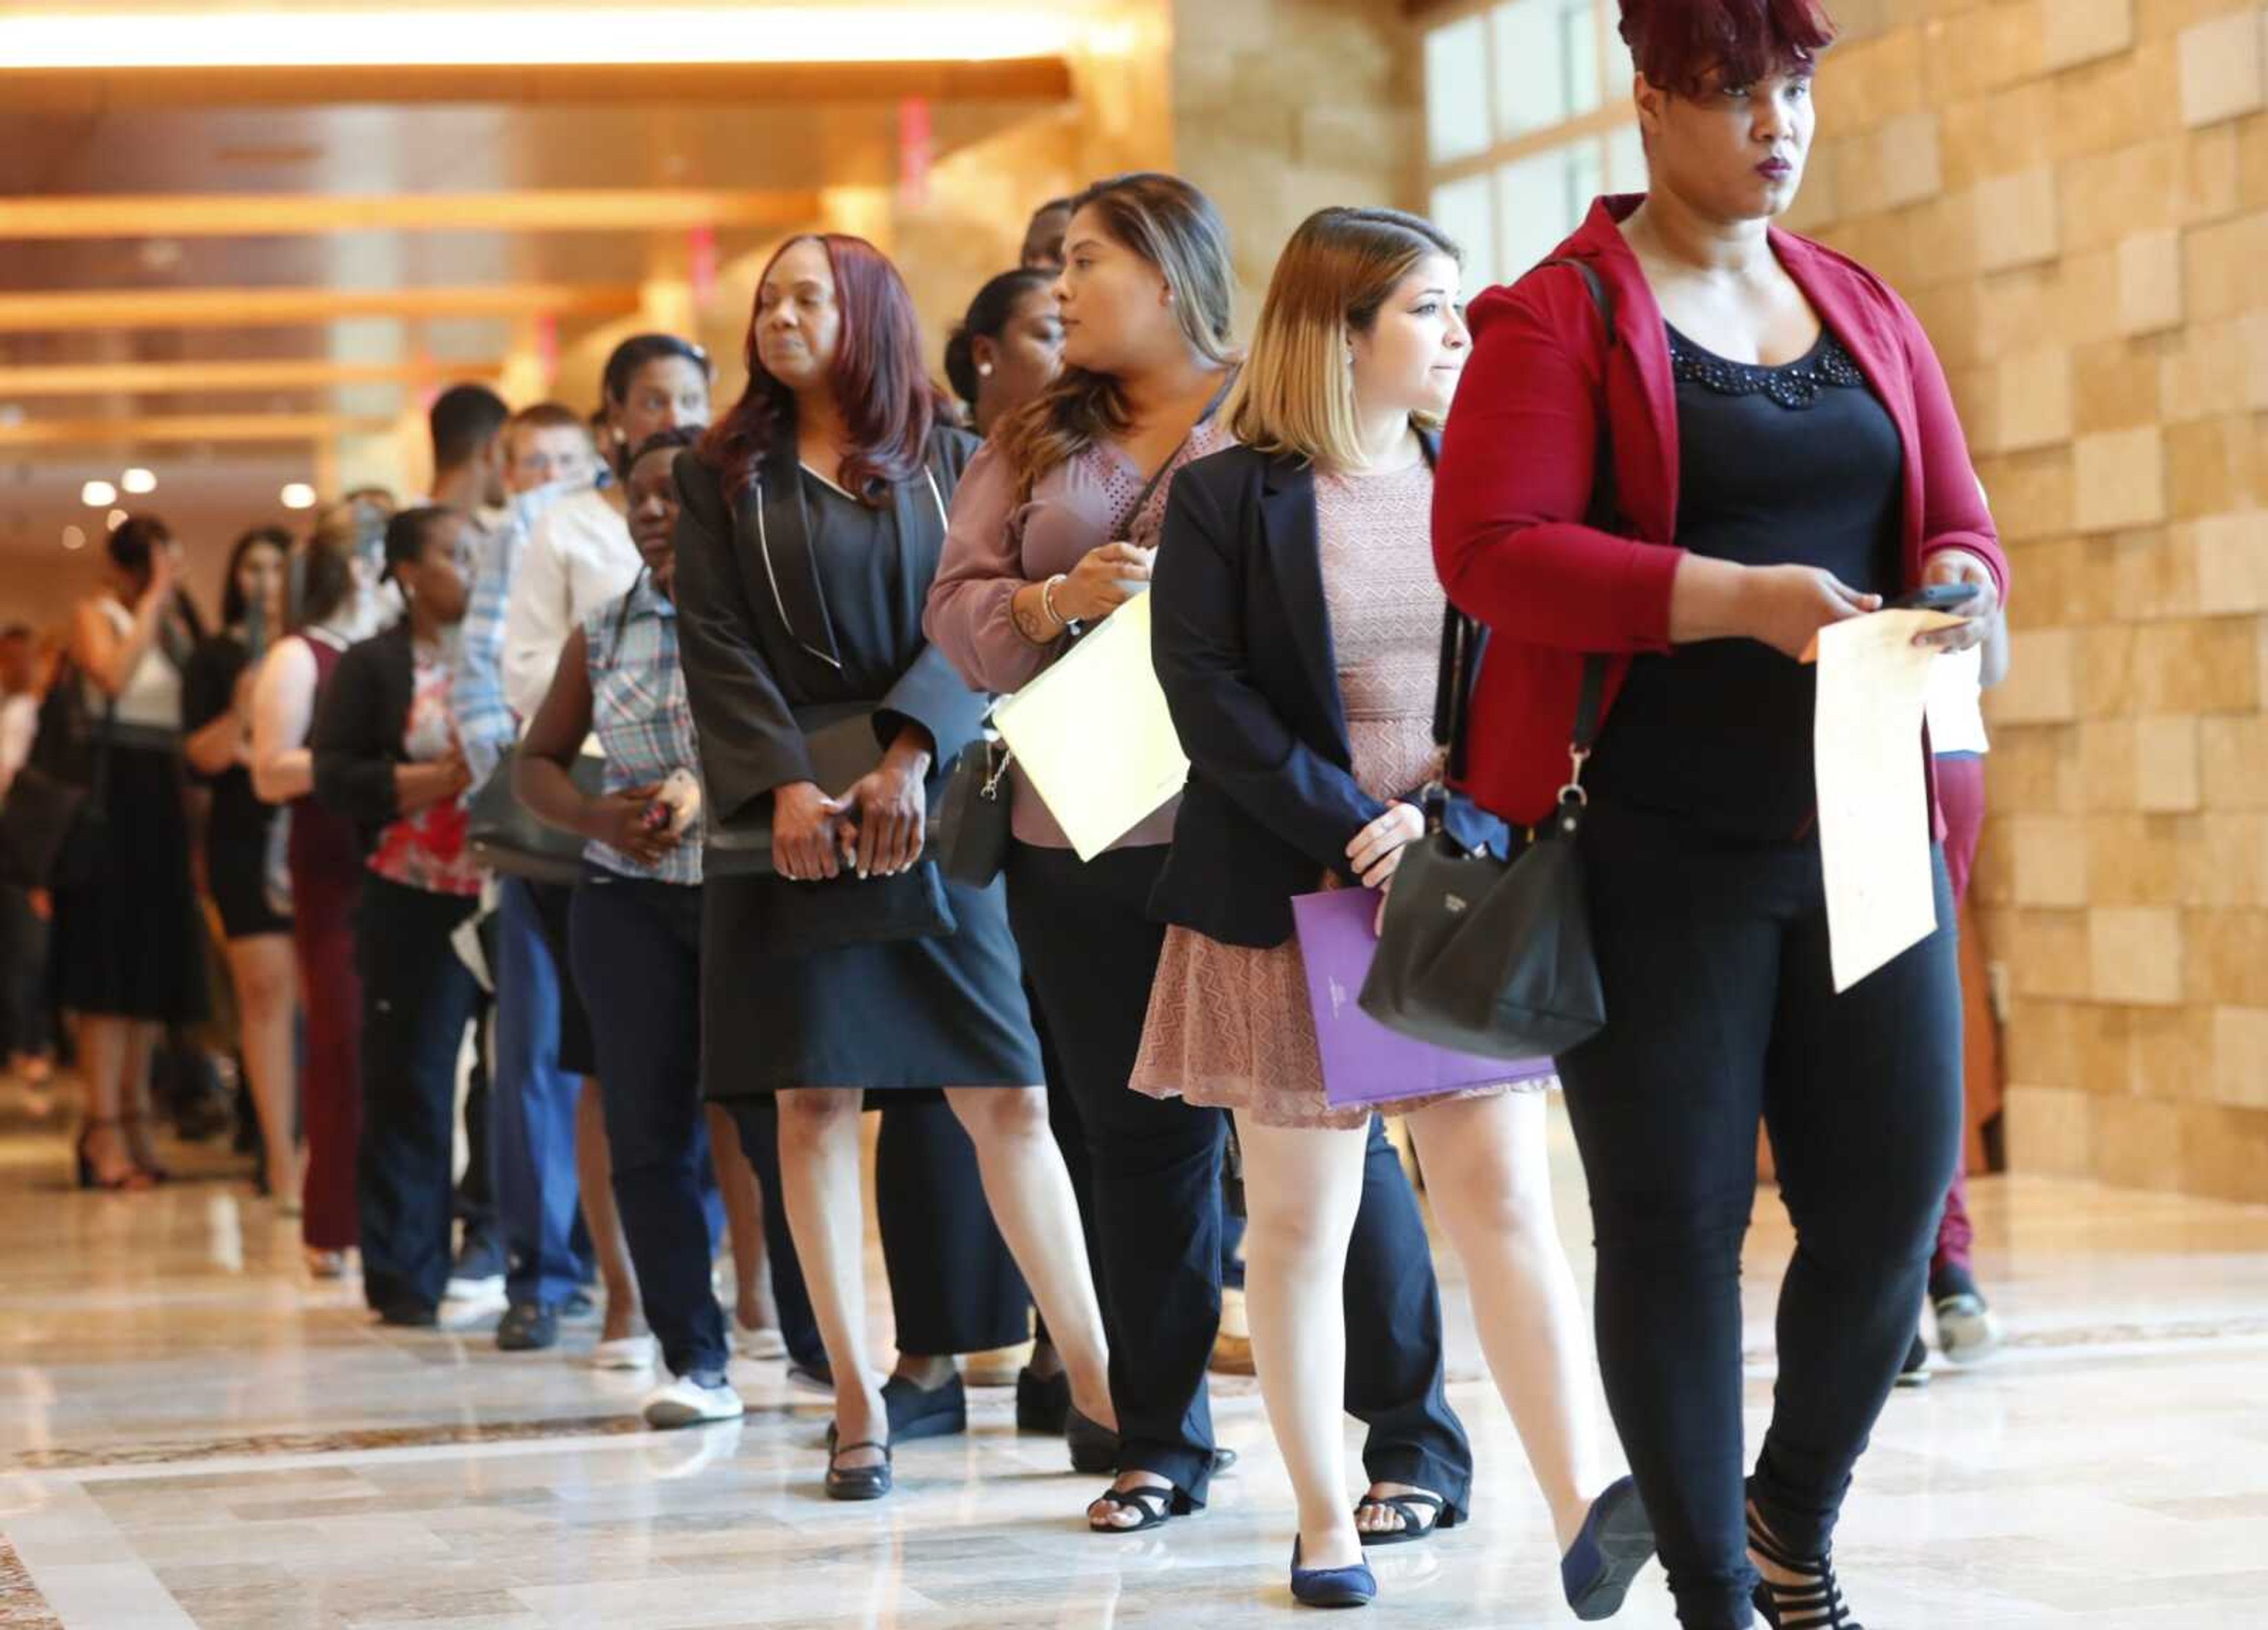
(995,546)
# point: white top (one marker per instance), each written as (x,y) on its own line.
(152,697)
(578,558)
(19,725)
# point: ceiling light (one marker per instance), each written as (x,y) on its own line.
(74,537)
(95,494)
(275,36)
(299,495)
(114,519)
(137,480)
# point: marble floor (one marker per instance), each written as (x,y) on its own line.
(192,1434)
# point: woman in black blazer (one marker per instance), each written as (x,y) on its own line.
(814,517)
(386,757)
(1297,622)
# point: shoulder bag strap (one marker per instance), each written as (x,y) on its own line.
(1464,640)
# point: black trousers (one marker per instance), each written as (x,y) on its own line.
(954,1287)
(417,999)
(636,947)
(1714,958)
(1091,952)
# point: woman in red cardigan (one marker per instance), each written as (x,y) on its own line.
(1784,454)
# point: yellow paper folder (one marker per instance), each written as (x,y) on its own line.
(1093,735)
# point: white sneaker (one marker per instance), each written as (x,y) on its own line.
(1967,1332)
(630,1353)
(761,1343)
(689,1401)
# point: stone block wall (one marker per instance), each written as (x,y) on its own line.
(2073,195)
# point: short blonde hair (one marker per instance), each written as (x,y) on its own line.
(1295,397)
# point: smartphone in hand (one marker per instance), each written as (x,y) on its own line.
(1936,597)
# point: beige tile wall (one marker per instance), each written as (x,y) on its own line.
(2073,193)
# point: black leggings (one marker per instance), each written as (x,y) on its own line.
(1714,957)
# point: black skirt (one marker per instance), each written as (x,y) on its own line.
(236,873)
(905,1015)
(128,942)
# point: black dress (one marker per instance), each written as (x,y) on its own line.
(239,827)
(798,596)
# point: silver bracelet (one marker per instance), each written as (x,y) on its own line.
(1048,600)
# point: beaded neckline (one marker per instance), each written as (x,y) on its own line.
(1793,385)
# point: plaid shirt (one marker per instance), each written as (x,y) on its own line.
(485,722)
(641,716)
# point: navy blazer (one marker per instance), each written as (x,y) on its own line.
(1241,640)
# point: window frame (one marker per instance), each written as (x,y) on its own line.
(1599,126)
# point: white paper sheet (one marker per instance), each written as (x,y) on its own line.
(1956,702)
(1094,736)
(1874,800)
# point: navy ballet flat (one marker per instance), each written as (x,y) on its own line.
(1332,1587)
(1616,1542)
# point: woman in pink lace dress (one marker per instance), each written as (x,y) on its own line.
(1297,624)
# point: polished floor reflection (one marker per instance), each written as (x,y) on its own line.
(192,1434)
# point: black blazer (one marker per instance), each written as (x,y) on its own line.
(760,644)
(1241,639)
(359,725)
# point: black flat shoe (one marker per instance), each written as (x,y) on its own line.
(1617,1542)
(1094,1446)
(918,1413)
(1043,1407)
(856,1482)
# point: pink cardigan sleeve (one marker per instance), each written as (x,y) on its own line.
(1514,482)
(967,617)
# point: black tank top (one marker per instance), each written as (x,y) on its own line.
(1797,464)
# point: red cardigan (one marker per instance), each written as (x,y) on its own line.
(1514,482)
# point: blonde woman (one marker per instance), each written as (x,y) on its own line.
(1298,623)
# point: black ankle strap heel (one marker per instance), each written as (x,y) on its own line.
(1815,1603)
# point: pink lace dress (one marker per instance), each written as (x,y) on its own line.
(1229,1025)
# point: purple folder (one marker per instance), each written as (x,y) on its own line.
(1364,1062)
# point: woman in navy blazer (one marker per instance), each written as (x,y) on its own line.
(1297,620)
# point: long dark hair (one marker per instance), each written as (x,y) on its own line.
(1175,227)
(988,318)
(132,543)
(888,402)
(233,609)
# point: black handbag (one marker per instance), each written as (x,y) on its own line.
(1491,955)
(839,739)
(504,835)
(52,820)
(971,837)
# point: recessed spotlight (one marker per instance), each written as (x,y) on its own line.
(299,495)
(97,494)
(137,480)
(114,519)
(74,537)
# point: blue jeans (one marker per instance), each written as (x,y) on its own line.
(532,1114)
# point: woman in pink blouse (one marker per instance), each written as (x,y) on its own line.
(1053,528)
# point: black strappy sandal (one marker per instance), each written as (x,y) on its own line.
(1815,1603)
(856,1482)
(1154,1505)
(1420,1513)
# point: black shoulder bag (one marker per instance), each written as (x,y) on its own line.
(52,820)
(1481,955)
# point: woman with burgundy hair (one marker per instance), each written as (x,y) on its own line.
(814,513)
(1781,453)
